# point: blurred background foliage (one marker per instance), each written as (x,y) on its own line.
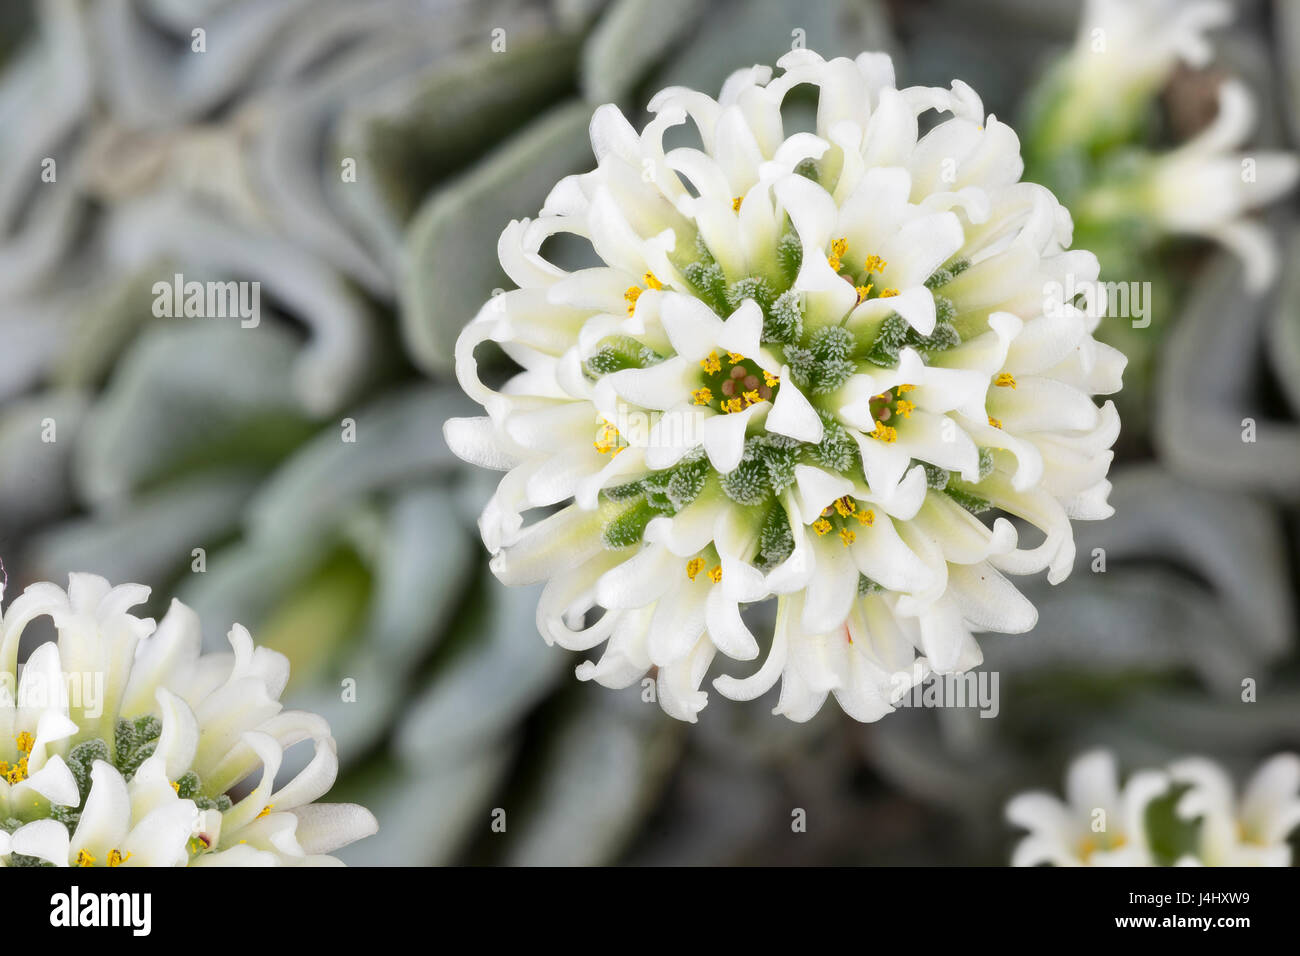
(360,559)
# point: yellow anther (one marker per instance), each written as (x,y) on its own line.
(772,381)
(731,406)
(1005,380)
(694,567)
(117,858)
(874,263)
(904,389)
(607,440)
(711,364)
(845,506)
(17,773)
(751,397)
(889,293)
(838,248)
(886,433)
(84,858)
(847,536)
(995,422)
(702,396)
(176,786)
(866,517)
(266,810)
(735,358)
(904,407)
(863,291)
(822,526)
(735,203)
(25,742)
(715,573)
(652,281)
(630,296)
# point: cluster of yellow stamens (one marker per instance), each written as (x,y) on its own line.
(740,389)
(115,858)
(634,291)
(845,508)
(885,406)
(16,773)
(608,441)
(696,565)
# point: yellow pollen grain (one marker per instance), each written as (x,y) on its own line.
(845,506)
(25,742)
(905,408)
(735,203)
(995,422)
(1005,380)
(889,293)
(694,567)
(885,433)
(822,526)
(652,281)
(711,364)
(866,517)
(702,396)
(715,573)
(117,857)
(84,858)
(847,536)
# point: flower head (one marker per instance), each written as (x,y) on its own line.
(805,363)
(120,743)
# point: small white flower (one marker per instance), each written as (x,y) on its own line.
(1125,50)
(119,742)
(1204,187)
(1250,831)
(1098,824)
(802,363)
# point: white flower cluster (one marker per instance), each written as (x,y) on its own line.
(120,743)
(802,363)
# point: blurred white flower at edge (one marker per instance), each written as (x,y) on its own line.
(121,743)
(1101,823)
